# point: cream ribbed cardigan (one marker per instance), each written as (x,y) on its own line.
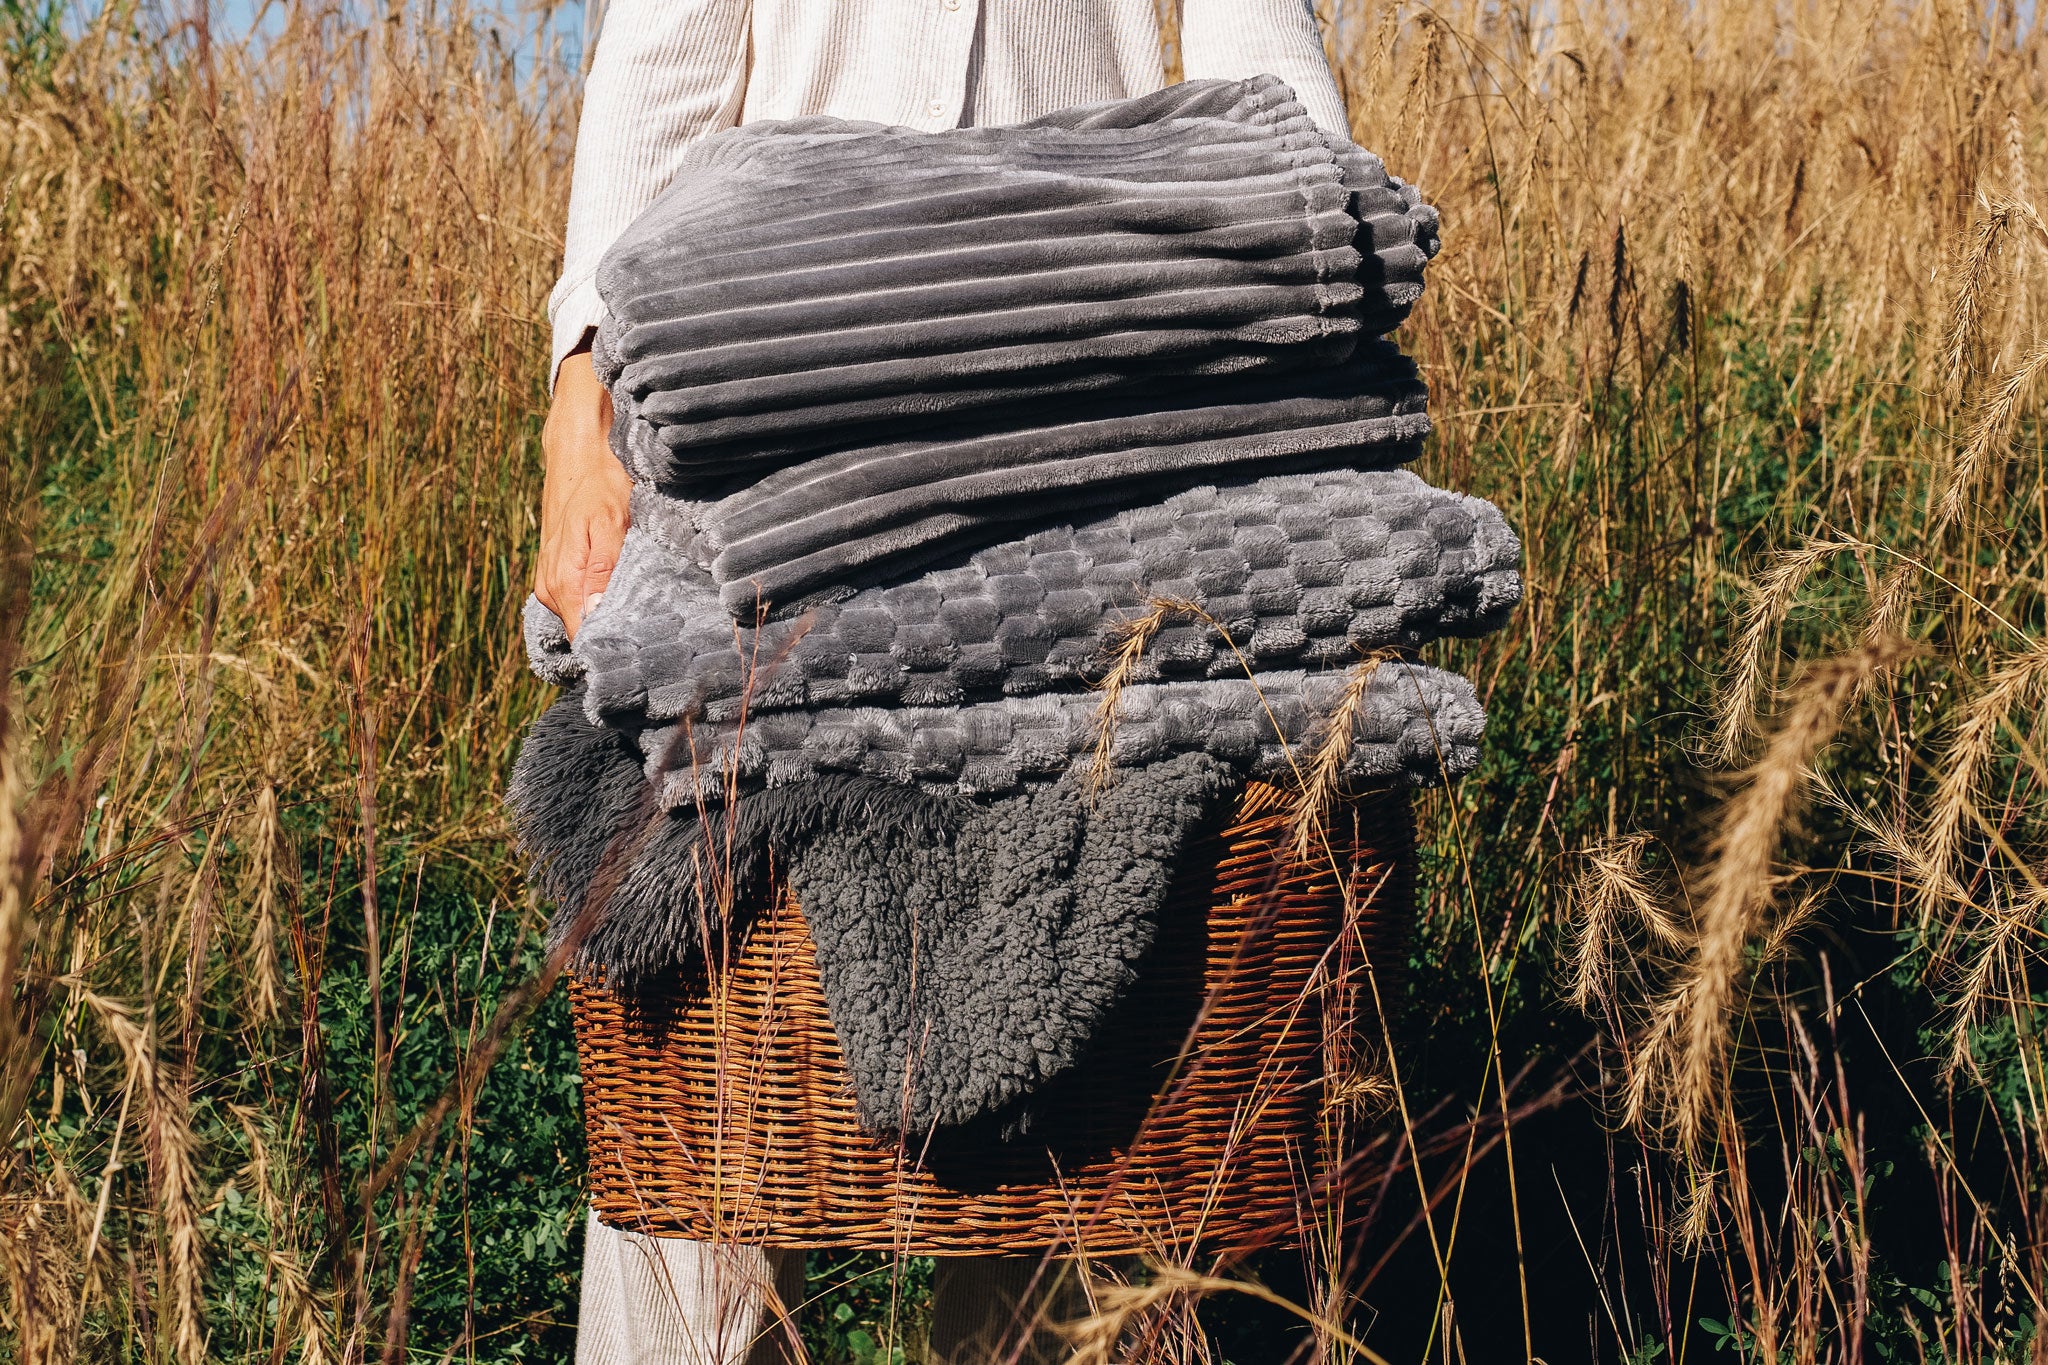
(667,72)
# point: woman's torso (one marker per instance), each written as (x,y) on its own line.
(946,63)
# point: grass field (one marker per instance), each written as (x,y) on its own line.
(1726,975)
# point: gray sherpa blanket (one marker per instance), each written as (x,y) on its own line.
(921,426)
(1020,921)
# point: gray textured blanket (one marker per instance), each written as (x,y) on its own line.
(818,284)
(920,425)
(1305,570)
(1416,726)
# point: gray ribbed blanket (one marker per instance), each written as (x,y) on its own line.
(920,425)
(821,284)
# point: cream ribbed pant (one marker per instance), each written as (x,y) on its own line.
(671,1301)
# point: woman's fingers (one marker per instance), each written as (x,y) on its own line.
(585,503)
(589,527)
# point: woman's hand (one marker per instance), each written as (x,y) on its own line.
(584,502)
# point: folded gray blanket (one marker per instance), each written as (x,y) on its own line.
(1303,569)
(920,424)
(1417,726)
(806,281)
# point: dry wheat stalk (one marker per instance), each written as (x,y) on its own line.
(1127,644)
(1322,782)
(1788,925)
(1094,1339)
(1898,847)
(1989,428)
(2000,219)
(38,1261)
(1770,601)
(301,1312)
(1892,600)
(1695,1220)
(1958,772)
(2020,183)
(262,985)
(1737,887)
(1611,889)
(1995,973)
(169,1128)
(1990,931)
(1367,1092)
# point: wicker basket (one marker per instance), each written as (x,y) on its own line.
(1202,1118)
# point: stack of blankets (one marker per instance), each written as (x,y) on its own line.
(931,433)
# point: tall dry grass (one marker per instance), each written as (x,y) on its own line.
(271,387)
(1739,318)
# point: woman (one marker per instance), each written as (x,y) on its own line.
(665,73)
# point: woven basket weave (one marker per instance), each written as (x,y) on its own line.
(1210,1103)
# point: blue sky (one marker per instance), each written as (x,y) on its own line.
(522,24)
(525,22)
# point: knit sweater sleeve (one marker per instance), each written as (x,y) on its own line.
(1234,39)
(665,73)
